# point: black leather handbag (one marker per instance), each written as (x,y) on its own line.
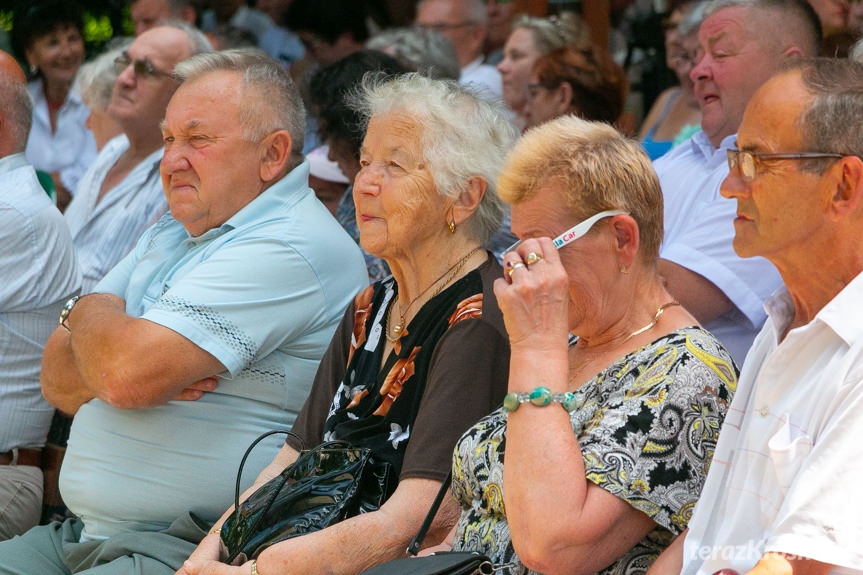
(321,487)
(444,563)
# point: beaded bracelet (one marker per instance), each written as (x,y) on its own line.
(540,396)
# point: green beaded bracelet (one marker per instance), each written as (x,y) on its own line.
(540,396)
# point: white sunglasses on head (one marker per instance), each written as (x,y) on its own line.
(574,232)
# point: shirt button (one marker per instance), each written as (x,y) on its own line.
(764,411)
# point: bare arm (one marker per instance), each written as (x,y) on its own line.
(62,384)
(696,293)
(130,363)
(352,545)
(670,562)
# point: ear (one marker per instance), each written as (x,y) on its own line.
(849,188)
(276,151)
(792,52)
(468,201)
(563,95)
(626,238)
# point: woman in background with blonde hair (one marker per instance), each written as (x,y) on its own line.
(531,38)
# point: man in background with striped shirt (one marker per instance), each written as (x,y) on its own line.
(121,194)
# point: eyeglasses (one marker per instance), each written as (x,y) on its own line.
(574,232)
(531,91)
(440,27)
(141,68)
(748,161)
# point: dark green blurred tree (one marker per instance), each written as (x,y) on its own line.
(103,20)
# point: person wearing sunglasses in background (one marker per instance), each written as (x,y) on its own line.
(121,194)
(608,439)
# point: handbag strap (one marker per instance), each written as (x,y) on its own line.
(246,456)
(414,547)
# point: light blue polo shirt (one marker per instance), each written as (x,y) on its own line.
(262,293)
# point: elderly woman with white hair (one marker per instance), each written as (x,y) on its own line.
(599,452)
(420,355)
(95,82)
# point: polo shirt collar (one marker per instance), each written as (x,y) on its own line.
(283,194)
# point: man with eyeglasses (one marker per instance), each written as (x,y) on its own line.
(740,47)
(121,194)
(779,496)
(464,23)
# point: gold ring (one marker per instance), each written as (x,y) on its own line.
(533,257)
(514,267)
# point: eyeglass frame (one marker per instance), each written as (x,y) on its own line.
(140,68)
(440,27)
(733,154)
(575,232)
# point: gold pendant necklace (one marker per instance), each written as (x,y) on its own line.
(659,311)
(399,327)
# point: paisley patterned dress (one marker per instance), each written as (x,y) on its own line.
(647,426)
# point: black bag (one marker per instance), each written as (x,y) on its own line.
(447,563)
(444,563)
(323,486)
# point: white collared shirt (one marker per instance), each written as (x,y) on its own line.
(484,78)
(699,230)
(39,271)
(789,457)
(106,231)
(71,148)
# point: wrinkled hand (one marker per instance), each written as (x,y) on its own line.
(197,389)
(204,567)
(534,297)
(207,551)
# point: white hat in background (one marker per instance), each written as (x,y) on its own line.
(321,167)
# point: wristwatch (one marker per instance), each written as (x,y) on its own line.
(67,309)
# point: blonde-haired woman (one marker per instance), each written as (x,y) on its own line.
(596,459)
(531,38)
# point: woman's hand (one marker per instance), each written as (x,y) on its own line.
(533,296)
(206,552)
(202,567)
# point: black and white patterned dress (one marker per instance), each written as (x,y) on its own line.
(647,426)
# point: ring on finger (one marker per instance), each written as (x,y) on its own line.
(533,257)
(514,267)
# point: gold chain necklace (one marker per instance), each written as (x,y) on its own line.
(398,328)
(575,369)
(659,311)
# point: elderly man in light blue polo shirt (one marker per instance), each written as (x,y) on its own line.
(208,334)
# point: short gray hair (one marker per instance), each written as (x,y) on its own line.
(566,29)
(800,25)
(277,104)
(198,41)
(476,12)
(693,15)
(425,51)
(463,135)
(95,79)
(18,110)
(831,123)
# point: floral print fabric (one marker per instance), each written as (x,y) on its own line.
(376,406)
(647,427)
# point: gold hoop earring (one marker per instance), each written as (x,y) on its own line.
(623,269)
(451,226)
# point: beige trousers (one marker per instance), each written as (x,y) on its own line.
(20,499)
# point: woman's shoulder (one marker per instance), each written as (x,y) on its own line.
(692,355)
